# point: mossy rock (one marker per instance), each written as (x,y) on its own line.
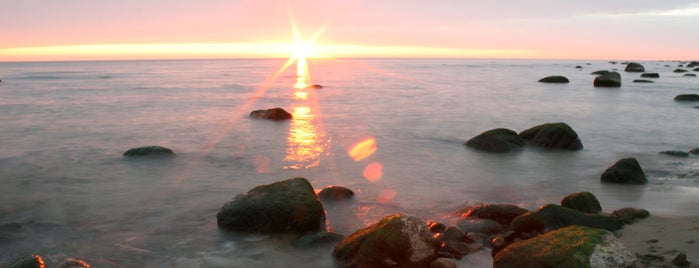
(499,140)
(583,202)
(625,171)
(553,135)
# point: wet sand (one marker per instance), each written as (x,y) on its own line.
(666,237)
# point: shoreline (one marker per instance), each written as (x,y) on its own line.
(663,236)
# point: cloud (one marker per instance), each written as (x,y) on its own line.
(691,10)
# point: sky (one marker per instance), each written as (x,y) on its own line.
(537,29)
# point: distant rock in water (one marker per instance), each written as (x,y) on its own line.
(276,114)
(600,72)
(499,140)
(694,151)
(651,75)
(553,135)
(314,86)
(634,67)
(578,67)
(693,64)
(679,71)
(625,171)
(612,79)
(554,79)
(690,75)
(687,97)
(643,81)
(696,70)
(153,150)
(675,153)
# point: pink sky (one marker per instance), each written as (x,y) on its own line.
(639,30)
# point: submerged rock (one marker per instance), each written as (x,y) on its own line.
(553,135)
(687,97)
(634,67)
(285,206)
(276,114)
(148,151)
(501,213)
(611,79)
(583,202)
(675,153)
(395,241)
(631,215)
(499,140)
(554,79)
(556,217)
(335,193)
(642,81)
(625,171)
(690,75)
(679,71)
(651,75)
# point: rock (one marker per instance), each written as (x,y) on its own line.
(694,151)
(625,171)
(455,243)
(497,140)
(148,151)
(583,202)
(681,260)
(574,246)
(276,114)
(675,153)
(395,241)
(556,217)
(529,223)
(690,75)
(73,263)
(30,261)
(436,227)
(687,97)
(696,70)
(631,215)
(335,194)
(600,72)
(317,239)
(285,206)
(679,71)
(501,213)
(314,86)
(553,135)
(554,79)
(443,263)
(651,75)
(693,64)
(642,81)
(578,67)
(612,79)
(634,67)
(483,226)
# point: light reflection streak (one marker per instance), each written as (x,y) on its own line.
(363,149)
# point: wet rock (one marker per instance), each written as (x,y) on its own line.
(690,75)
(314,86)
(693,64)
(556,217)
(501,213)
(148,151)
(687,97)
(553,135)
(483,226)
(631,215)
(675,153)
(395,241)
(694,151)
(555,79)
(651,75)
(680,260)
(634,67)
(335,194)
(600,72)
(696,70)
(317,239)
(497,140)
(625,171)
(679,71)
(455,243)
(285,206)
(436,227)
(30,261)
(642,81)
(73,263)
(276,114)
(528,223)
(583,202)
(611,79)
(574,246)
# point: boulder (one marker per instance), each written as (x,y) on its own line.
(148,151)
(600,72)
(528,223)
(497,140)
(675,153)
(679,71)
(690,75)
(554,79)
(285,206)
(483,226)
(583,202)
(553,135)
(651,75)
(276,114)
(687,97)
(634,67)
(501,213)
(335,194)
(29,261)
(642,81)
(612,79)
(396,241)
(556,217)
(625,171)
(318,239)
(630,215)
(574,246)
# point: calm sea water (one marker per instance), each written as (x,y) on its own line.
(66,124)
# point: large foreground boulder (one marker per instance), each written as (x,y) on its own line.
(553,135)
(611,79)
(276,114)
(574,246)
(285,206)
(556,217)
(152,151)
(554,79)
(499,140)
(625,171)
(687,97)
(395,241)
(583,202)
(634,67)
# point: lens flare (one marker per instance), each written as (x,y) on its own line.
(386,195)
(363,149)
(373,172)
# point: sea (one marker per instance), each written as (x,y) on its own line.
(391,130)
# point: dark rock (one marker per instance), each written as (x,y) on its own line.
(554,79)
(690,75)
(483,226)
(501,213)
(574,246)
(314,86)
(613,62)
(436,227)
(30,261)
(497,140)
(148,151)
(642,81)
(680,260)
(651,75)
(553,135)
(395,241)
(625,171)
(675,153)
(612,79)
(10,227)
(527,223)
(694,151)
(317,239)
(578,67)
(687,97)
(556,217)
(634,67)
(73,263)
(631,215)
(600,72)
(335,194)
(583,202)
(679,71)
(285,206)
(277,114)
(696,70)
(455,242)
(693,64)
